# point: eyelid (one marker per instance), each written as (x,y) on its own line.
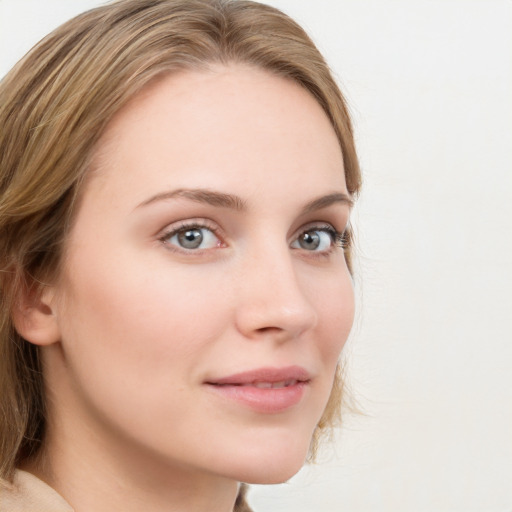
(320,226)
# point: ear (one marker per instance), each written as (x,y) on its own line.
(34,316)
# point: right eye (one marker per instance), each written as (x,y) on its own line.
(192,237)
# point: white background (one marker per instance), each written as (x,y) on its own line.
(430,87)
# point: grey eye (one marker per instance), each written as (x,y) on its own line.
(309,240)
(314,240)
(191,238)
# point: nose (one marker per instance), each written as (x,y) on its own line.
(271,299)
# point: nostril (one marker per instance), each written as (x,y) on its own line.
(269,330)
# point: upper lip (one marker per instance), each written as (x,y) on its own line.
(268,374)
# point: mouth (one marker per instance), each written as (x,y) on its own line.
(264,390)
(268,385)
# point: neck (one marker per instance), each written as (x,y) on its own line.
(100,484)
(97,476)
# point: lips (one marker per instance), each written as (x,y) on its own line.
(272,385)
(265,375)
(264,390)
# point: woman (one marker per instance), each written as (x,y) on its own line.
(176,178)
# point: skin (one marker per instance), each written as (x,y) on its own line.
(135,324)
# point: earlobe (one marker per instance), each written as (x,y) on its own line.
(34,316)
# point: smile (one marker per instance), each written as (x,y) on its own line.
(272,385)
(265,390)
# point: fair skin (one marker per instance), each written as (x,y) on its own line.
(191,339)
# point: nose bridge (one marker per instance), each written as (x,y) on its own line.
(271,297)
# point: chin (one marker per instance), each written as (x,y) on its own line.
(270,463)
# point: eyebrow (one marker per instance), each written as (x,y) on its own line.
(205,196)
(328,200)
(234,202)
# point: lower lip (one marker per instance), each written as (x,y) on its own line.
(264,400)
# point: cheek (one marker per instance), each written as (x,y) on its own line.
(336,320)
(142,329)
(336,307)
(135,346)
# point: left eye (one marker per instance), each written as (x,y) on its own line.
(193,237)
(315,239)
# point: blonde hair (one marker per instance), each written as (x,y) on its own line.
(54,106)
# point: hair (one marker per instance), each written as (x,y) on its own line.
(54,106)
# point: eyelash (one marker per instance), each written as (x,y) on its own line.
(339,239)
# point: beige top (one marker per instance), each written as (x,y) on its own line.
(30,494)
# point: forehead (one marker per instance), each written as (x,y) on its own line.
(228,126)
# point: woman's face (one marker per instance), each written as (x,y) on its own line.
(204,297)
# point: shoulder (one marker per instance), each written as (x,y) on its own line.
(28,493)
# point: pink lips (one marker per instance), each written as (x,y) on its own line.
(266,390)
